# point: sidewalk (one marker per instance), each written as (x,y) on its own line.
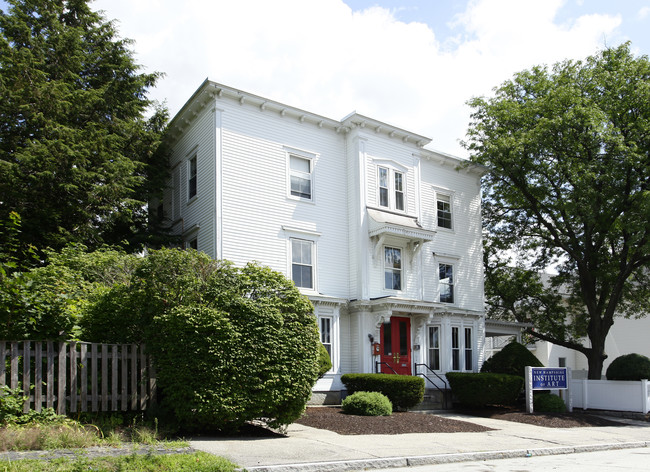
(307,449)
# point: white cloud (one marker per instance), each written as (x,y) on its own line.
(320,56)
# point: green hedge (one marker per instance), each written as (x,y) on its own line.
(629,367)
(367,404)
(404,391)
(548,403)
(511,360)
(483,389)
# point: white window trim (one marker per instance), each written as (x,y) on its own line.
(332,338)
(437,191)
(461,346)
(441,357)
(402,270)
(453,261)
(312,157)
(314,261)
(392,168)
(453,284)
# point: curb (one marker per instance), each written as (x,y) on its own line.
(93,452)
(393,462)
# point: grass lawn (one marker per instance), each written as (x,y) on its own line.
(199,462)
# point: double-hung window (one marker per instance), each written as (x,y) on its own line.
(300,176)
(192,173)
(455,348)
(302,267)
(446,282)
(469,361)
(392,268)
(443,208)
(434,347)
(399,190)
(462,348)
(390,184)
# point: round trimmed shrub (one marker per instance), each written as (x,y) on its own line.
(629,367)
(511,360)
(324,361)
(548,403)
(229,344)
(367,404)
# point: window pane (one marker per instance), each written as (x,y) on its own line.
(383,177)
(446,282)
(301,268)
(325,330)
(300,164)
(398,182)
(443,205)
(468,349)
(434,348)
(192,179)
(300,187)
(383,187)
(399,201)
(383,197)
(403,338)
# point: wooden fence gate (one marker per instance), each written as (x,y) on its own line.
(76,376)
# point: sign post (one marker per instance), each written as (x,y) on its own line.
(546,378)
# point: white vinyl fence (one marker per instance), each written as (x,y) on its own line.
(616,395)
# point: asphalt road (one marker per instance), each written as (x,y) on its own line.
(602,461)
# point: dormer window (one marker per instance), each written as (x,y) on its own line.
(391,189)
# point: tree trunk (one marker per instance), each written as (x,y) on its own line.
(595,359)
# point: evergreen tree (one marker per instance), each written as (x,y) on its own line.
(77,156)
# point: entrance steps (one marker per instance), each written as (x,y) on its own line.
(434,399)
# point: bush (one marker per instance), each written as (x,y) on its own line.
(367,404)
(478,390)
(404,391)
(548,403)
(511,360)
(629,367)
(324,361)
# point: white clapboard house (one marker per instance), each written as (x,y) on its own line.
(382,235)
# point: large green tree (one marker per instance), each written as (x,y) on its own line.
(77,153)
(568,157)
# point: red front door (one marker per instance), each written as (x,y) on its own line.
(396,346)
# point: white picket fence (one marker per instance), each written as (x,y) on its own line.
(77,376)
(615,395)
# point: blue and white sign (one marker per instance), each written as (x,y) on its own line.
(549,378)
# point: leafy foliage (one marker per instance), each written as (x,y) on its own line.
(404,391)
(367,404)
(477,390)
(324,361)
(548,403)
(511,360)
(568,158)
(230,344)
(629,367)
(77,157)
(48,302)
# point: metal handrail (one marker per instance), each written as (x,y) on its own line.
(378,363)
(444,382)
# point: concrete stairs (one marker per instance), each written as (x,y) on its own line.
(434,399)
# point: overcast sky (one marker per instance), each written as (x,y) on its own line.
(410,63)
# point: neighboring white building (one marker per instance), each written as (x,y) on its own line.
(382,235)
(626,336)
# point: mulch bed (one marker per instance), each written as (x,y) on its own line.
(332,419)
